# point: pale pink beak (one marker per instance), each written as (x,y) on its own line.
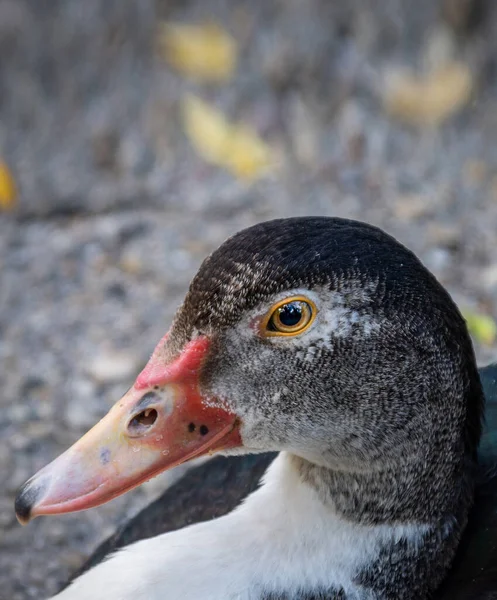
(162,421)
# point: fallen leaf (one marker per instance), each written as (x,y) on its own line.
(431,99)
(202,52)
(8,190)
(482,327)
(233,146)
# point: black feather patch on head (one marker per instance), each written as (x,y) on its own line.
(297,252)
(337,254)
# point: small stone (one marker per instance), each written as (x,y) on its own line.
(278,65)
(18,477)
(304,132)
(351,129)
(113,366)
(438,260)
(412,206)
(135,155)
(57,531)
(493,188)
(83,407)
(133,231)
(19,441)
(105,146)
(131,264)
(439,48)
(39,430)
(489,276)
(116,290)
(7,516)
(73,559)
(32,384)
(19,412)
(197,247)
(79,416)
(444,234)
(180,260)
(474,172)
(464,15)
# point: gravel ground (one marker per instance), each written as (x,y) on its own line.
(116,210)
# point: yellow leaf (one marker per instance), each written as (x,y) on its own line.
(482,327)
(8,190)
(431,99)
(235,147)
(202,52)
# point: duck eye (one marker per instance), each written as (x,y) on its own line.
(289,317)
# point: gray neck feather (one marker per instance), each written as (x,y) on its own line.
(409,494)
(406,492)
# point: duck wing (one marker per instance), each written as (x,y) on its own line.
(205,492)
(473,575)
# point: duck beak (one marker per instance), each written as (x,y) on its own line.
(161,422)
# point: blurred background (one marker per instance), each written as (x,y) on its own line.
(136,135)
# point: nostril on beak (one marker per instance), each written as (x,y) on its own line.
(142,422)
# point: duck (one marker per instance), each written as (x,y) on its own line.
(319,354)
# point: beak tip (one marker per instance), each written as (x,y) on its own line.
(26,499)
(23,507)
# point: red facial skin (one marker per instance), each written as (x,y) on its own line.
(161,422)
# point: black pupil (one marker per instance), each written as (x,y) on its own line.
(290,314)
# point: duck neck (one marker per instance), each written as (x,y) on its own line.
(408,516)
(306,549)
(408,491)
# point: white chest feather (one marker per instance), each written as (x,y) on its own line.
(281,539)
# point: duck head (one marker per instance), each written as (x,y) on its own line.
(321,337)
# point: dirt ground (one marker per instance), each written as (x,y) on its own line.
(116,209)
